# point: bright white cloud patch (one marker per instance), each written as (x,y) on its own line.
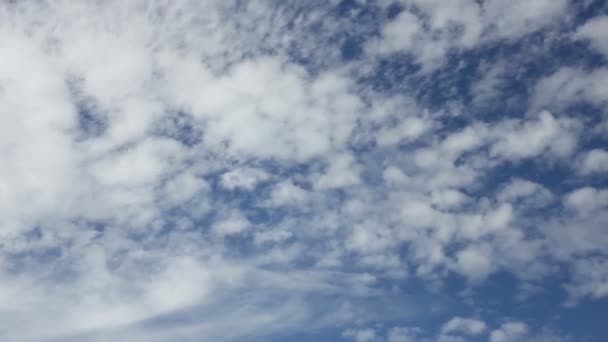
(594,31)
(509,332)
(271,171)
(594,161)
(464,325)
(361,335)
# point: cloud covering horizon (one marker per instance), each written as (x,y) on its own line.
(367,171)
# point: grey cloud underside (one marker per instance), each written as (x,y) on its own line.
(173,170)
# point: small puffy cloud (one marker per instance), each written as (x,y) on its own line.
(184,281)
(476,262)
(443,18)
(139,165)
(596,32)
(399,34)
(587,200)
(594,162)
(590,278)
(418,213)
(182,188)
(231,224)
(450,338)
(509,332)
(515,140)
(302,118)
(287,193)
(493,220)
(272,236)
(525,194)
(487,88)
(360,335)
(580,229)
(513,19)
(466,326)
(245,178)
(464,140)
(570,85)
(369,237)
(401,334)
(394,175)
(342,171)
(448,198)
(429,29)
(408,129)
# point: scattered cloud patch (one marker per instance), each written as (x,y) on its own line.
(229,171)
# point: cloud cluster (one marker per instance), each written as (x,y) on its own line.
(228,170)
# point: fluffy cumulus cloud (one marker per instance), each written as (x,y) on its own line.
(464,325)
(594,31)
(511,331)
(293,171)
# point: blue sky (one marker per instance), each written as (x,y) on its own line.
(365,171)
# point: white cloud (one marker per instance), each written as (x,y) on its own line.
(509,332)
(246,178)
(594,161)
(467,326)
(595,30)
(571,85)
(587,200)
(428,29)
(401,334)
(465,140)
(527,139)
(475,262)
(447,199)
(294,117)
(430,34)
(104,299)
(525,194)
(408,129)
(368,237)
(590,279)
(360,335)
(516,18)
(393,174)
(118,118)
(399,34)
(487,88)
(182,188)
(135,166)
(232,224)
(287,193)
(341,172)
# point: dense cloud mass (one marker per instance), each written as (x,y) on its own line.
(367,171)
